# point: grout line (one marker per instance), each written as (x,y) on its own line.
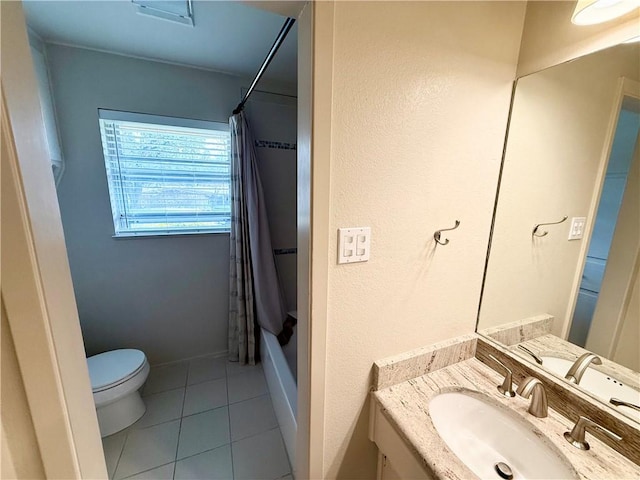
(194,455)
(220,354)
(124,444)
(155,369)
(186,386)
(230,444)
(255,435)
(148,470)
(182,416)
(132,427)
(207,380)
(207,411)
(251,368)
(130,430)
(233,473)
(197,413)
(286,452)
(180,428)
(262,431)
(249,398)
(161,392)
(186,380)
(225,375)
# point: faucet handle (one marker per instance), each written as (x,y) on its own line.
(506,388)
(621,403)
(576,436)
(535,357)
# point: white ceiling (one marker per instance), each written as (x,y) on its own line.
(228,36)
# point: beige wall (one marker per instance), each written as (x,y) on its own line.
(419,104)
(554,155)
(626,352)
(20,453)
(549,37)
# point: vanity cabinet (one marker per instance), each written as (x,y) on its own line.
(395,459)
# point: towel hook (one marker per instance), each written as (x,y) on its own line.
(436,235)
(535,229)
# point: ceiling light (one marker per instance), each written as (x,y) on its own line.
(589,12)
(180,11)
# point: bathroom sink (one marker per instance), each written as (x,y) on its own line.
(484,435)
(598,384)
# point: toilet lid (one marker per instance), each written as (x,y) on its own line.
(112,368)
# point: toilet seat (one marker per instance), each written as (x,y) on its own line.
(110,369)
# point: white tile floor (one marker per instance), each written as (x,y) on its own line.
(206,419)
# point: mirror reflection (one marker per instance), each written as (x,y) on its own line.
(562,285)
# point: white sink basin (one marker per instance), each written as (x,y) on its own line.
(481,434)
(598,384)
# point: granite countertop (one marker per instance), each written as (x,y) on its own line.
(554,346)
(405,405)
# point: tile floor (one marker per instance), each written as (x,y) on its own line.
(206,419)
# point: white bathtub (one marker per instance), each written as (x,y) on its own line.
(282,387)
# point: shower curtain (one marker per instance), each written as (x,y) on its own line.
(254,290)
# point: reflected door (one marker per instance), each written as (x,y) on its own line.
(605,225)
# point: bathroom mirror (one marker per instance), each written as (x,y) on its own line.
(562,275)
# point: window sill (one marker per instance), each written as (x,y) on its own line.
(165,235)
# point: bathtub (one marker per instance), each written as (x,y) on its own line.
(279,369)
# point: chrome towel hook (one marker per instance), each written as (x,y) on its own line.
(436,236)
(535,229)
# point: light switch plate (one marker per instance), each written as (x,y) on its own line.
(576,231)
(354,244)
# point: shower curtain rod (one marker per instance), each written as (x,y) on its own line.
(288,23)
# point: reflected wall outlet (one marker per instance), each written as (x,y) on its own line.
(354,244)
(576,231)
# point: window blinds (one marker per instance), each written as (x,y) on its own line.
(166,175)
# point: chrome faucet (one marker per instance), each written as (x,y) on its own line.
(532,387)
(576,436)
(574,375)
(506,388)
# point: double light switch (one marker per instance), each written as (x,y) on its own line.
(577,228)
(354,244)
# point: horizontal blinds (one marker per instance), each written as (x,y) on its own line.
(166,179)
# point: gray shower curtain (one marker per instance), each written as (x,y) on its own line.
(254,290)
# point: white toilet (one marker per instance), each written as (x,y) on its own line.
(116,377)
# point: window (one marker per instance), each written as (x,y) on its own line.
(166,175)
